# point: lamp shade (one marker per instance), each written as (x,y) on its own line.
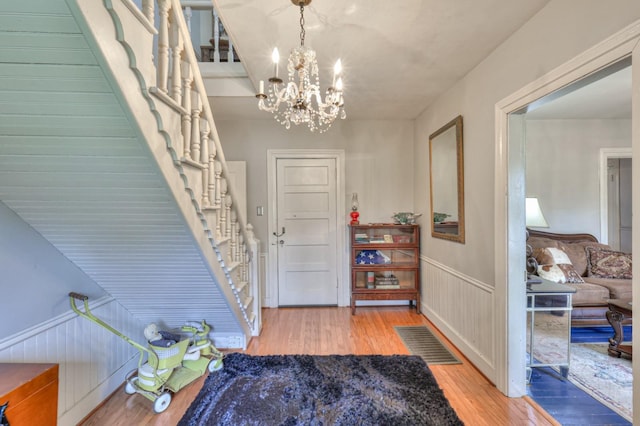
(533,214)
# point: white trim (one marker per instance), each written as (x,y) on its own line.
(606,154)
(466,278)
(510,335)
(49,324)
(271,288)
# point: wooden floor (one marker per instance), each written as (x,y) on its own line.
(324,331)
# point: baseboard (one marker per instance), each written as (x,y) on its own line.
(228,341)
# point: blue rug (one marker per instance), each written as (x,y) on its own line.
(332,390)
(596,334)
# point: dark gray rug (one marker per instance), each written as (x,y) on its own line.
(321,390)
(422,342)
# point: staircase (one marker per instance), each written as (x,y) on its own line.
(109,150)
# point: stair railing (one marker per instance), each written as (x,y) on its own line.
(180,85)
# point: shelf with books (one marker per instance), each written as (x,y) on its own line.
(385,263)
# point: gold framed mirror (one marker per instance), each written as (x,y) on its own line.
(446,181)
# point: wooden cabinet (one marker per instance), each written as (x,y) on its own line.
(32,393)
(385,263)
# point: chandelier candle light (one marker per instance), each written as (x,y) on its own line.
(300,101)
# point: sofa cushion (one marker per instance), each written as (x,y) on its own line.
(617,288)
(556,266)
(578,255)
(559,273)
(609,263)
(589,294)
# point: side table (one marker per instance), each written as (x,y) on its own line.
(619,309)
(561,297)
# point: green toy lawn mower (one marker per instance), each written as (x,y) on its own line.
(173,360)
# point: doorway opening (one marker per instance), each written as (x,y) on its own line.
(510,192)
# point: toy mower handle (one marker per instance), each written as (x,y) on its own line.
(78,296)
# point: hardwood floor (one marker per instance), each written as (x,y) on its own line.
(324,331)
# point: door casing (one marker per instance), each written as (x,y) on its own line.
(509,220)
(271,288)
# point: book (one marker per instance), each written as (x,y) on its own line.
(387,286)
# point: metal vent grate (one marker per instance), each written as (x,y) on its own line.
(420,341)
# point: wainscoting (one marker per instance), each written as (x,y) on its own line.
(93,362)
(463,309)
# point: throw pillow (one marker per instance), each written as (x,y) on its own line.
(605,263)
(555,265)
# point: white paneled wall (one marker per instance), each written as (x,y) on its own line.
(93,361)
(462,308)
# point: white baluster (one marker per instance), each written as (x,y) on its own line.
(239,243)
(232,233)
(230,55)
(176,46)
(188,13)
(163,44)
(147,9)
(227,207)
(195,127)
(212,172)
(218,184)
(187,83)
(216,37)
(221,226)
(195,148)
(204,136)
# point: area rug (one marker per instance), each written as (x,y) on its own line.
(420,341)
(321,390)
(608,379)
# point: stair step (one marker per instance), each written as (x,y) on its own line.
(241,286)
(247,302)
(233,265)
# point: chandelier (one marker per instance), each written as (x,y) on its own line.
(300,100)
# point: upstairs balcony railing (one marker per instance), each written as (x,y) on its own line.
(208,35)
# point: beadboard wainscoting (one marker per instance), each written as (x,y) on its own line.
(93,361)
(462,308)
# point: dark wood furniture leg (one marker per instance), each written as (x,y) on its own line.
(615,318)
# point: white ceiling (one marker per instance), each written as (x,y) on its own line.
(398,57)
(607,97)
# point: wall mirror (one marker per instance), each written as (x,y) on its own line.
(446,169)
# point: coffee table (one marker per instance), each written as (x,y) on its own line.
(619,309)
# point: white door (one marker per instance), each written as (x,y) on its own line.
(306,224)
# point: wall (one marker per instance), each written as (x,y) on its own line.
(378,157)
(563,169)
(36,278)
(456,272)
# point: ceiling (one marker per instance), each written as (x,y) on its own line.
(604,95)
(398,57)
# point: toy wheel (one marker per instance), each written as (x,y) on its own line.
(129,387)
(162,403)
(215,365)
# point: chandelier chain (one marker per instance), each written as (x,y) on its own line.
(302,32)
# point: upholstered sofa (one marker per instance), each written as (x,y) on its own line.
(596,272)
